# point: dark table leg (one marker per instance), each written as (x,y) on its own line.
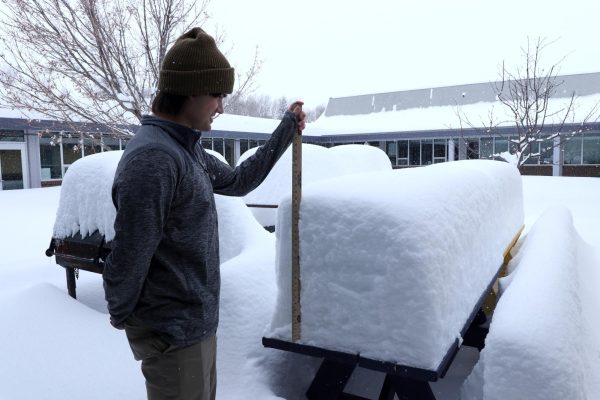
(71,282)
(330,380)
(476,334)
(406,389)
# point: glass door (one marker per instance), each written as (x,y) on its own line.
(11,170)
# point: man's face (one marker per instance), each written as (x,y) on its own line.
(199,111)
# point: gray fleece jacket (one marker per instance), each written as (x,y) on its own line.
(164,264)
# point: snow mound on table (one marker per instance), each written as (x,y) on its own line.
(318,163)
(86,206)
(544,338)
(393,263)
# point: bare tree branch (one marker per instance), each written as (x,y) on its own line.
(93,61)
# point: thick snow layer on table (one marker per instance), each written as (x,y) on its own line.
(393,263)
(85,197)
(318,163)
(544,340)
(86,206)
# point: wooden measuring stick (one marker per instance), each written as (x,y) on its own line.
(296,197)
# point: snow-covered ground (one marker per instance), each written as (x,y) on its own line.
(54,347)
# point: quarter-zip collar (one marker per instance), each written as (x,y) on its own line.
(187,137)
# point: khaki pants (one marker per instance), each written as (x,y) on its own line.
(174,373)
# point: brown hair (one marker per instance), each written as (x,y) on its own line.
(166,103)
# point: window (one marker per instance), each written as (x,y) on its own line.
(91,145)
(402,152)
(486,147)
(109,143)
(439,150)
(243,146)
(374,144)
(50,156)
(230,151)
(402,148)
(591,148)
(218,146)
(390,149)
(533,151)
(207,143)
(572,150)
(472,149)
(500,145)
(12,136)
(71,149)
(414,151)
(426,152)
(513,144)
(253,143)
(546,151)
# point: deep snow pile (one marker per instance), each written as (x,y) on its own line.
(86,206)
(544,340)
(318,163)
(392,263)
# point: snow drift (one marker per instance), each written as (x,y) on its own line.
(544,338)
(392,263)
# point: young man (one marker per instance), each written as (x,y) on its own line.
(162,277)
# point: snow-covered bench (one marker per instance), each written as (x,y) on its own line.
(394,268)
(318,163)
(544,340)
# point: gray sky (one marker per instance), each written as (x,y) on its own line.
(316,49)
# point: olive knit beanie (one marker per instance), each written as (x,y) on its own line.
(194,66)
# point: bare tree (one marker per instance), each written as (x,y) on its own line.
(468,129)
(526,93)
(263,106)
(312,114)
(93,61)
(245,84)
(280,106)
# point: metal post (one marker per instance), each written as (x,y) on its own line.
(557,157)
(296,196)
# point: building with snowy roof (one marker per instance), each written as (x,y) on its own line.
(425,126)
(414,127)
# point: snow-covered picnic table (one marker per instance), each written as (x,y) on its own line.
(395,266)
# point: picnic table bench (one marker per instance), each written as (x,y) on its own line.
(77,253)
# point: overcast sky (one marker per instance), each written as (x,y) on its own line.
(316,49)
